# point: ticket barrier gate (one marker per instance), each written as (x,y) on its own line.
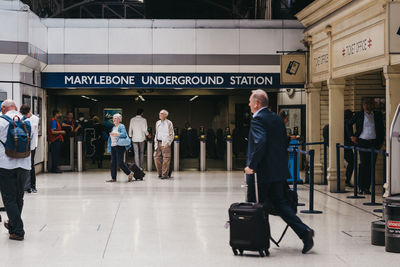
(80,155)
(202,158)
(149,155)
(176,153)
(71,165)
(229,152)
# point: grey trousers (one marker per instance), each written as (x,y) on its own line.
(138,151)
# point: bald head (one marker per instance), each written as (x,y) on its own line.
(258,100)
(8,105)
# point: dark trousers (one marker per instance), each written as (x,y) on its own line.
(12,184)
(348,156)
(117,160)
(33,173)
(365,164)
(274,192)
(55,154)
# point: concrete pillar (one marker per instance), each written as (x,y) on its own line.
(336,131)
(392,76)
(314,127)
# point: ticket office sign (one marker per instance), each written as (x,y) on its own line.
(320,60)
(361,46)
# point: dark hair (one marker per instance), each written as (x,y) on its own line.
(55,112)
(24,109)
(139,111)
(283,114)
(348,114)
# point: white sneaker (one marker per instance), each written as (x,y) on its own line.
(130,176)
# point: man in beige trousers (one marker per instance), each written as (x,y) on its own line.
(163,139)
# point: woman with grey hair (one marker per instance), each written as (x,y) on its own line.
(118,143)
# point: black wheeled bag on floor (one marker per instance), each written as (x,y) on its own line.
(249,227)
(138,174)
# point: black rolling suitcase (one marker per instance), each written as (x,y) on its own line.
(138,174)
(249,227)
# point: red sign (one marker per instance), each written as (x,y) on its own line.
(393,224)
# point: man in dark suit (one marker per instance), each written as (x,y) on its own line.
(267,156)
(370,133)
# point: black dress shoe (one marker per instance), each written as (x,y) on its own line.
(308,241)
(29,191)
(348,184)
(367,192)
(16,237)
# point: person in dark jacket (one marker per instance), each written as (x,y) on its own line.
(348,153)
(266,156)
(370,133)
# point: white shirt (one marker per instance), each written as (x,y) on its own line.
(162,131)
(34,120)
(114,139)
(368,132)
(5,161)
(138,129)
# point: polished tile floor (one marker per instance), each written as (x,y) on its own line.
(79,220)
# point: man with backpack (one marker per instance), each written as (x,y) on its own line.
(15,165)
(25,110)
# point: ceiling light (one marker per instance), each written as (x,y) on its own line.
(193,98)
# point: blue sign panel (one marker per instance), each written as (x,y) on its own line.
(162,80)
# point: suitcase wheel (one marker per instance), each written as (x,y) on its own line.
(266,252)
(235,251)
(261,252)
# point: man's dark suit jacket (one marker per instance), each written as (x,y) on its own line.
(358,119)
(267,147)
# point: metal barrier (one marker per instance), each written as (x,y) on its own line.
(229,154)
(202,155)
(80,156)
(355,160)
(176,155)
(338,190)
(310,210)
(71,166)
(325,173)
(149,155)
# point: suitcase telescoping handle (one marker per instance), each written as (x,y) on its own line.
(255,186)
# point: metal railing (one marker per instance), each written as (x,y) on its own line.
(373,153)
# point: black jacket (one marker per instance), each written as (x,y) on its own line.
(267,147)
(358,119)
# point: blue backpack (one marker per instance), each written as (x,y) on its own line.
(18,142)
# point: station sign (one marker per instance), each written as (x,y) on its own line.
(162,80)
(394,27)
